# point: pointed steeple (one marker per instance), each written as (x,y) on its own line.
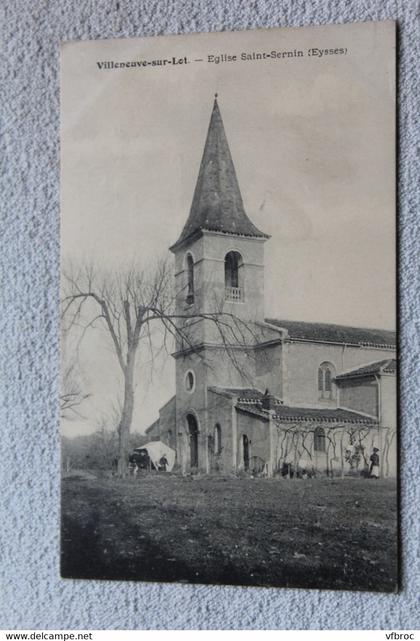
(217,203)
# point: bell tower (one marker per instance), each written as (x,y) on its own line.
(219,256)
(219,284)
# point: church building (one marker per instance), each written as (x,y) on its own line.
(257,395)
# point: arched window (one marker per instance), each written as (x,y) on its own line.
(233,276)
(326,373)
(319,440)
(189,381)
(190,279)
(327,380)
(320,380)
(217,439)
(210,445)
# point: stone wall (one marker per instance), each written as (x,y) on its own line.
(302,360)
(258,433)
(209,253)
(360,395)
(221,412)
(388,400)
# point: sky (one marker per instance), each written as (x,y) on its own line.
(313,143)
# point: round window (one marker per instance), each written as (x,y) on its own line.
(189,381)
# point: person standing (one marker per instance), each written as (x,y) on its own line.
(374,464)
(163,463)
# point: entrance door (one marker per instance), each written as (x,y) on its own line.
(245,447)
(193,435)
(210,452)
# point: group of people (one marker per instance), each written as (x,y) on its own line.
(161,466)
(374,471)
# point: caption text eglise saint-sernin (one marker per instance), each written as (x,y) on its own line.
(223,58)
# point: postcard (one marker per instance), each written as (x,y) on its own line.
(228,308)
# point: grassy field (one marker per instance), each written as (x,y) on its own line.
(337,534)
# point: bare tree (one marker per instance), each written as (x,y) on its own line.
(128,304)
(72,390)
(72,393)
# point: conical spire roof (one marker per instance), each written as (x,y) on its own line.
(217,203)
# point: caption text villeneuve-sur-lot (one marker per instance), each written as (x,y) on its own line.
(223,58)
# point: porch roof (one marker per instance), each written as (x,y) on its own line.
(386,366)
(338,415)
(249,400)
(287,414)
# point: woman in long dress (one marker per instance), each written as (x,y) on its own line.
(374,464)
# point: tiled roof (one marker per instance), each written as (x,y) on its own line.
(249,400)
(217,203)
(239,392)
(286,414)
(324,332)
(387,366)
(245,394)
(255,410)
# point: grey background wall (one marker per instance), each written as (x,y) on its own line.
(32,594)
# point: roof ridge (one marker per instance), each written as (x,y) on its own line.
(354,369)
(323,323)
